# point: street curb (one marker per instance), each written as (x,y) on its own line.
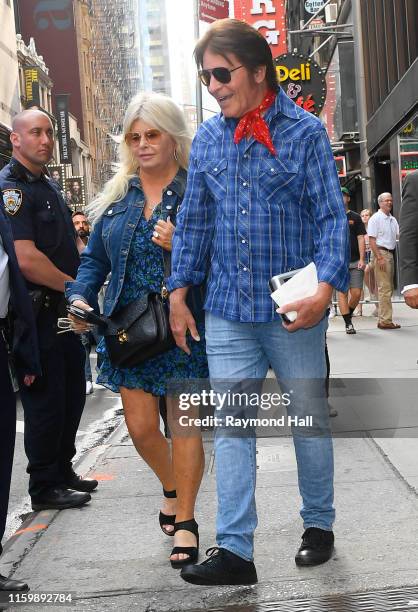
(37,523)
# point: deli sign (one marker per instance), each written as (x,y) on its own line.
(302,80)
(268,17)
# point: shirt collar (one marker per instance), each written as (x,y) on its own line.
(281,105)
(178,184)
(21,172)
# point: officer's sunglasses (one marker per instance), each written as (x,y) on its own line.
(152,137)
(222,75)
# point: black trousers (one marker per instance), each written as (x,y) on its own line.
(53,406)
(7,435)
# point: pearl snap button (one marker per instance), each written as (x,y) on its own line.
(109,212)
(169,192)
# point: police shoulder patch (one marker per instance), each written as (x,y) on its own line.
(12,199)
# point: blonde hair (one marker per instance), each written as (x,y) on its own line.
(366,210)
(161,112)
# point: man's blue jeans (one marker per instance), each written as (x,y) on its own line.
(242,351)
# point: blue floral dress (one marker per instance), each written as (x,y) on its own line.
(144,273)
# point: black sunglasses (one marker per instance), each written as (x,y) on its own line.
(223,75)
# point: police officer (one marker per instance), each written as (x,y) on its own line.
(19,358)
(47,253)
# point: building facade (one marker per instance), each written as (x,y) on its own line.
(154,56)
(89,47)
(9,78)
(390,43)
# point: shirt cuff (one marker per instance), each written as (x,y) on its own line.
(408,287)
(177,281)
(75,297)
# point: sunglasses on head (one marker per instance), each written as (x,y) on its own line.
(152,137)
(222,75)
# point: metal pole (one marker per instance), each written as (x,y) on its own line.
(361,102)
(199,109)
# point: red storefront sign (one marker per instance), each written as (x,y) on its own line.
(269,17)
(211,10)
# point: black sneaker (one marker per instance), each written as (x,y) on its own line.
(316,548)
(222,567)
(349,329)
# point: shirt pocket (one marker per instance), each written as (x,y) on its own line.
(215,176)
(278,175)
(113,225)
(47,228)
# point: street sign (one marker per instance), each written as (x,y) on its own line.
(211,10)
(313,6)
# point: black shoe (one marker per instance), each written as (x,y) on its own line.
(7,584)
(222,567)
(59,498)
(76,482)
(191,551)
(349,329)
(167,519)
(317,547)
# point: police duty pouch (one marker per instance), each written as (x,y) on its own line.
(293,286)
(139,331)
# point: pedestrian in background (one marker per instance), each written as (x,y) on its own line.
(349,301)
(262,198)
(19,364)
(82,227)
(383,230)
(134,220)
(369,278)
(46,250)
(408,239)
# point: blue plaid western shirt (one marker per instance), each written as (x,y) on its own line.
(248,215)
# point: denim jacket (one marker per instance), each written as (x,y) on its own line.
(108,247)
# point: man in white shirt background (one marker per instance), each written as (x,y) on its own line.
(383,230)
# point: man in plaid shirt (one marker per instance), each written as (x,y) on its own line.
(262,198)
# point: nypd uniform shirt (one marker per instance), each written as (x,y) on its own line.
(37,211)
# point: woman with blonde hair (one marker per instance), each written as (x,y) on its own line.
(134,219)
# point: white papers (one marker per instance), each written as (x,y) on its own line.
(302,285)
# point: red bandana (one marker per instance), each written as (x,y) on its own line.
(253,124)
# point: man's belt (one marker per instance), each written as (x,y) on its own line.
(385,249)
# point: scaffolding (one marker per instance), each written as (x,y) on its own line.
(116,72)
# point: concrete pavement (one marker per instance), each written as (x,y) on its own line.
(111,554)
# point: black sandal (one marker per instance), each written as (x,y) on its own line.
(192,551)
(167,519)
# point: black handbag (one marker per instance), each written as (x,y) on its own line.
(139,331)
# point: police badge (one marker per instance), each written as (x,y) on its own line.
(12,199)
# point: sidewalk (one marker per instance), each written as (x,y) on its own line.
(111,554)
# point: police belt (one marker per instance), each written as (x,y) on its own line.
(45,300)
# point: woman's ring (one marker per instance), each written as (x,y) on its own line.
(156,235)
